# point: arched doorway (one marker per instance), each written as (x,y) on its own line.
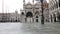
(29,16)
(58,16)
(36,18)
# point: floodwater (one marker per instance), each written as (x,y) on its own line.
(29,28)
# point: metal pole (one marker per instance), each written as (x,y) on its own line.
(42,18)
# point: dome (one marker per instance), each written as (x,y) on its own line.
(28,3)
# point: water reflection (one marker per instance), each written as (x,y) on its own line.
(29,28)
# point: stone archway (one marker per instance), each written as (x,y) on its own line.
(58,16)
(29,14)
(37,19)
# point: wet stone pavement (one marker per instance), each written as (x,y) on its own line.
(29,28)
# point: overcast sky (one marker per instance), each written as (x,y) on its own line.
(12,5)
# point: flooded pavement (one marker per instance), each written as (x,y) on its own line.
(29,28)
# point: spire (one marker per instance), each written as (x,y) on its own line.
(24,1)
(16,11)
(33,1)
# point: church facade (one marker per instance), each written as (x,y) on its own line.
(31,12)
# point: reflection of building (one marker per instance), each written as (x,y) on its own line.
(32,12)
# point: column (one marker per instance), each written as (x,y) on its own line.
(51,18)
(54,16)
(32,19)
(25,19)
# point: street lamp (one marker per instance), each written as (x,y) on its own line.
(42,18)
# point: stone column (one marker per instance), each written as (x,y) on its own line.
(58,14)
(33,20)
(51,18)
(25,19)
(54,17)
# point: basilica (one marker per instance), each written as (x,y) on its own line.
(31,12)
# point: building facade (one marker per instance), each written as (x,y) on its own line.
(10,17)
(54,10)
(32,12)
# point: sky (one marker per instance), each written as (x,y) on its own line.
(12,5)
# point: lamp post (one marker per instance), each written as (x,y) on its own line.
(42,18)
